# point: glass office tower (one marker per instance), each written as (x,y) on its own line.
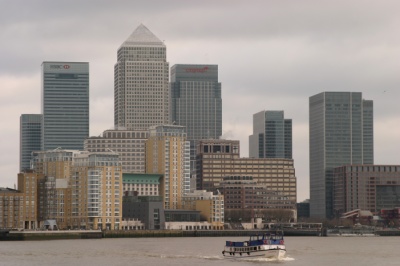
(65,105)
(30,138)
(196,103)
(341,132)
(272,136)
(141,91)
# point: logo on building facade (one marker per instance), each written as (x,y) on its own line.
(60,66)
(196,70)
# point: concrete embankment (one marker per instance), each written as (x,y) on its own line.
(388,232)
(90,234)
(51,235)
(201,233)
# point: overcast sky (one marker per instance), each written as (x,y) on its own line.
(272,55)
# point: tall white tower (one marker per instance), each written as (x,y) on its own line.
(141,90)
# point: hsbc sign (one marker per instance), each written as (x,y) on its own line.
(60,66)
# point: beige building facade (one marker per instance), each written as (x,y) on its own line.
(80,190)
(168,154)
(18,208)
(211,206)
(129,144)
(217,159)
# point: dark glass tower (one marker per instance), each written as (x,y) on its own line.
(196,103)
(30,138)
(341,132)
(272,136)
(65,105)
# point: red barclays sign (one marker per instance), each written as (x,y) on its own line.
(196,70)
(60,66)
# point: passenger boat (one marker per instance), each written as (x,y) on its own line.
(268,245)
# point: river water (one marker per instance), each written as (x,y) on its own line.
(315,251)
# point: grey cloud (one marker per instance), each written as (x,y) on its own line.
(271,55)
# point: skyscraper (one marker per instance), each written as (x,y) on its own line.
(141,89)
(341,132)
(65,105)
(196,103)
(30,138)
(272,136)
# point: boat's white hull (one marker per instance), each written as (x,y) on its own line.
(265,251)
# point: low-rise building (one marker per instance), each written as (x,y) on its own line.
(18,208)
(143,184)
(147,209)
(366,187)
(246,200)
(211,206)
(217,159)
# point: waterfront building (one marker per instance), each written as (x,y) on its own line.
(168,154)
(10,200)
(54,201)
(217,159)
(30,138)
(341,132)
(141,89)
(65,105)
(142,184)
(246,200)
(210,151)
(129,144)
(80,190)
(196,103)
(210,205)
(147,209)
(366,187)
(18,208)
(272,136)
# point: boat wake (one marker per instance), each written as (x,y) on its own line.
(169,256)
(269,259)
(260,259)
(251,259)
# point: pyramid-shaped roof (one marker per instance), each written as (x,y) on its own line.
(142,36)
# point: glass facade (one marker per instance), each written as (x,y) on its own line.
(196,103)
(272,136)
(65,105)
(141,92)
(30,138)
(341,132)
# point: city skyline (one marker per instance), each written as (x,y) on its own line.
(274,56)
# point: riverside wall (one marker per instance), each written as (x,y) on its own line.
(93,234)
(50,235)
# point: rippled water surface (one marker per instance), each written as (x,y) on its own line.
(327,251)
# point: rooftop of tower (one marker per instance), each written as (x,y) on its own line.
(142,36)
